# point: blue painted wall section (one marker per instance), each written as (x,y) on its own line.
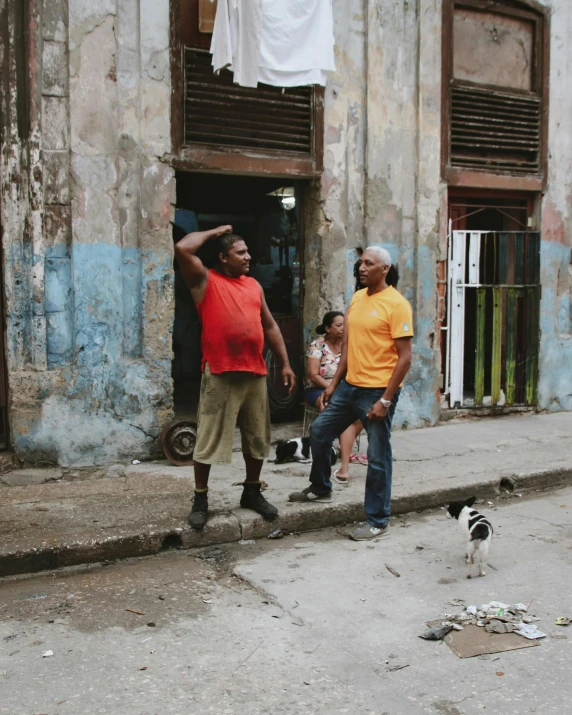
(132,318)
(58,306)
(99,404)
(555,363)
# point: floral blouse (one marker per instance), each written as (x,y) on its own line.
(329,361)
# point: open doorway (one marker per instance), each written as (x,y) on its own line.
(267,213)
(493,299)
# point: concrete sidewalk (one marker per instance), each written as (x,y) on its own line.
(133,510)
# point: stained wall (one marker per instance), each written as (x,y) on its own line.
(87,193)
(86,204)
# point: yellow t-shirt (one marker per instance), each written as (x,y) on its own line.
(373,323)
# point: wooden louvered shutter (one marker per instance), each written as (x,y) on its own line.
(491,129)
(495,92)
(219,112)
(219,126)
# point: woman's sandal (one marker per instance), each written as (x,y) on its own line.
(340,480)
(358,458)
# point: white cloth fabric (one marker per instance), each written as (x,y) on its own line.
(285,43)
(236,39)
(292,79)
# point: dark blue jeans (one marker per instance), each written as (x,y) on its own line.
(348,404)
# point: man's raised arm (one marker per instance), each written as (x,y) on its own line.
(192,268)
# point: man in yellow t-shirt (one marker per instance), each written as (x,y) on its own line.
(376,356)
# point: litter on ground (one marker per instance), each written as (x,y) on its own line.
(493,627)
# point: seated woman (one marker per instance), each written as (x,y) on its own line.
(323,357)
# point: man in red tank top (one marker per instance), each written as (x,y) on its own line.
(236,322)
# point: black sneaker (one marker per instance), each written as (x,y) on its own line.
(198,515)
(252,499)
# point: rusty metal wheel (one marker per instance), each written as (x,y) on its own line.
(178,440)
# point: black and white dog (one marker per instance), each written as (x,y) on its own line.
(296,450)
(476,529)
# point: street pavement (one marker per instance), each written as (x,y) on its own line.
(313,624)
(129,510)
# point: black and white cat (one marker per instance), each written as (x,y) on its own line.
(297,450)
(476,529)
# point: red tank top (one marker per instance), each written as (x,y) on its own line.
(232,337)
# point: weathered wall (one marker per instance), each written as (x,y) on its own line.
(381,180)
(87,193)
(555,365)
(86,209)
(334,221)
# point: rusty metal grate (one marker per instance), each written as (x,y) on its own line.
(495,130)
(218,112)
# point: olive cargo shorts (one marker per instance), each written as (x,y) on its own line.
(228,400)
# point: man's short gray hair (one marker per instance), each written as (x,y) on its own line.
(382,253)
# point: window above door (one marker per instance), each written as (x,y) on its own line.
(220,126)
(495,93)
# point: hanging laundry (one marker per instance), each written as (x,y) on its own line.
(285,43)
(236,39)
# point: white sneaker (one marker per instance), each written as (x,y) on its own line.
(365,532)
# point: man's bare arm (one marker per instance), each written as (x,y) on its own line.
(276,341)
(192,268)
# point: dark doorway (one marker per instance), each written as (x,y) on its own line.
(267,213)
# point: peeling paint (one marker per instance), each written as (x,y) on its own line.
(87,198)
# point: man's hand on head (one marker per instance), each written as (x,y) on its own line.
(221,230)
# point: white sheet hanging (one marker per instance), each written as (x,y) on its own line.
(236,39)
(292,79)
(285,43)
(297,35)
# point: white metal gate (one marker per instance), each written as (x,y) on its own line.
(493,289)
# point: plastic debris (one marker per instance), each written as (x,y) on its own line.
(494,604)
(277,534)
(136,461)
(245,542)
(47,654)
(496,617)
(563,621)
(529,631)
(437,633)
